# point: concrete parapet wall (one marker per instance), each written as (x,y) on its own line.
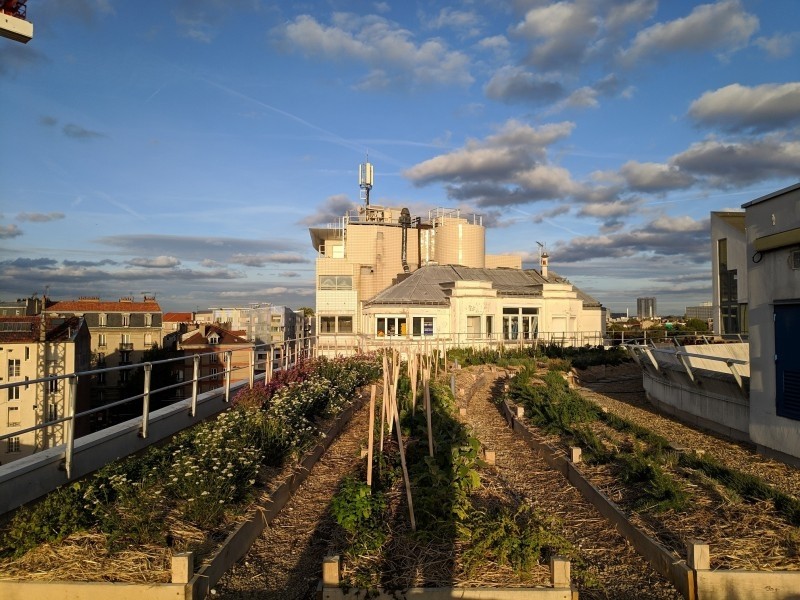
(728,414)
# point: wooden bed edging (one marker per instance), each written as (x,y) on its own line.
(665,562)
(693,583)
(330,587)
(235,546)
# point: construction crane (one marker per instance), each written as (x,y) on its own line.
(13,21)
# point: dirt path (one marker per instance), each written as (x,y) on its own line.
(612,568)
(285,563)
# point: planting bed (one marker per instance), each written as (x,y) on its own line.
(125,523)
(743,532)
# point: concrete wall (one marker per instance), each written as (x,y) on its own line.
(711,397)
(771,281)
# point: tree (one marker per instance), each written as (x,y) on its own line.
(307,311)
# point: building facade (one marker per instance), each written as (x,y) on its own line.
(212,343)
(121,332)
(729,272)
(646,308)
(772,226)
(37,348)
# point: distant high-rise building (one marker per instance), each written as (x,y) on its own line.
(646,308)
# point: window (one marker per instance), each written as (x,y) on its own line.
(327,324)
(421,326)
(148,320)
(473,326)
(101,359)
(101,378)
(489,325)
(13,393)
(336,282)
(124,376)
(213,372)
(213,358)
(126,320)
(27,353)
(213,339)
(12,445)
(179,394)
(102,320)
(101,340)
(125,357)
(125,338)
(148,339)
(391,326)
(13,416)
(520,323)
(52,386)
(345,325)
(52,412)
(13,367)
(179,375)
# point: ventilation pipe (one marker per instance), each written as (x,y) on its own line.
(405,222)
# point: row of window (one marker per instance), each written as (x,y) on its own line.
(518,323)
(102,320)
(52,387)
(125,338)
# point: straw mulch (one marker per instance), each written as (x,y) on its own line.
(742,534)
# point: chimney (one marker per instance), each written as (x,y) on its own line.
(543,263)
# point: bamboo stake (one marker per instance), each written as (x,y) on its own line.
(373,390)
(405,470)
(412,365)
(426,378)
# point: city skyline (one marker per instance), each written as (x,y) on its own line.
(185,152)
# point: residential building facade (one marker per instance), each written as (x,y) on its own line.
(212,343)
(33,348)
(646,308)
(121,332)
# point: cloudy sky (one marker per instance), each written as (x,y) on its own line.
(182,149)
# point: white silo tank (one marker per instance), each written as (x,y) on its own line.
(459,242)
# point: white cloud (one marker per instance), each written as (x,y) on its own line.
(622,15)
(40,217)
(514,84)
(723,26)
(654,177)
(158,262)
(560,32)
(779,45)
(260,260)
(9,231)
(727,164)
(381,45)
(736,107)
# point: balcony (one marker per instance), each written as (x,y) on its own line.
(126,346)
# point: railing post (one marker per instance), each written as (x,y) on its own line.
(195,382)
(228,376)
(252,366)
(148,372)
(70,433)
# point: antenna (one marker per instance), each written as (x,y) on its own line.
(365,180)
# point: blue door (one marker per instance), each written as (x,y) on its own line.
(787,360)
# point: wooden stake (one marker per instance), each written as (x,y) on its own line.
(405,471)
(372,392)
(428,412)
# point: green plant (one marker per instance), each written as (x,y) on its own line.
(360,513)
(55,517)
(519,540)
(659,491)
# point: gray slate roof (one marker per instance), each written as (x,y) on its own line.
(425,285)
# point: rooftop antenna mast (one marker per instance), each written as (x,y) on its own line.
(543,259)
(365,180)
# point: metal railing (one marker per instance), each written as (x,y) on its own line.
(291,351)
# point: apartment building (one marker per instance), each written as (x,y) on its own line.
(729,272)
(121,332)
(36,347)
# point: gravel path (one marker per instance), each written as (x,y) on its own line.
(612,567)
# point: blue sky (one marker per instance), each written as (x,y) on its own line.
(183,148)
